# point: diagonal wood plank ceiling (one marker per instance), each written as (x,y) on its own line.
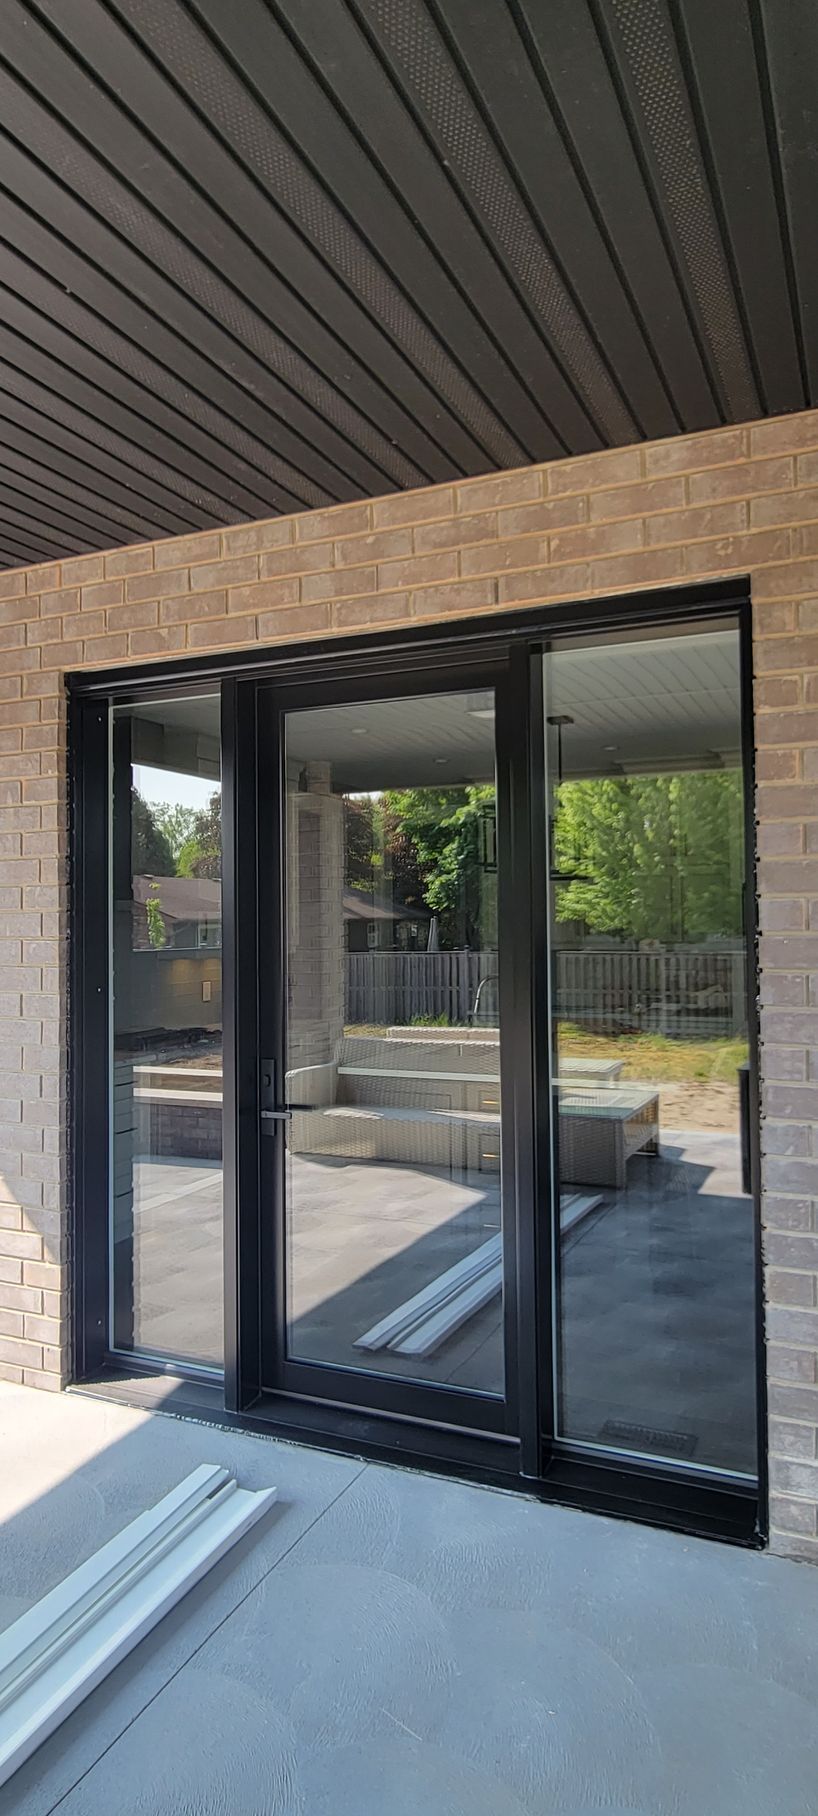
(262,255)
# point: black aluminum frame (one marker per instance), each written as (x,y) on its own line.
(367,1388)
(388,1425)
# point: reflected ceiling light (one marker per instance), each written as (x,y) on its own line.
(560,720)
(360,731)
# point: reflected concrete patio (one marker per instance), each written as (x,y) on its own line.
(657,1306)
(390,1642)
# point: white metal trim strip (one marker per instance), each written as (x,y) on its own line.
(396,1323)
(59,1650)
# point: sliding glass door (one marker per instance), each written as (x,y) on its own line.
(474,1159)
(381,1092)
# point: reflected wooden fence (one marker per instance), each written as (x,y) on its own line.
(402,987)
(690,993)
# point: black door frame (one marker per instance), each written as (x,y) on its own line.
(368,1389)
(667,1494)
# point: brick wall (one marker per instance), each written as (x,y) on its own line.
(741,500)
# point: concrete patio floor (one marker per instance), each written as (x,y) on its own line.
(657,1288)
(386,1644)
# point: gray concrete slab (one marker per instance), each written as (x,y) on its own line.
(391,1643)
(75,1470)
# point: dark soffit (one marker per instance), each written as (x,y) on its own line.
(264,255)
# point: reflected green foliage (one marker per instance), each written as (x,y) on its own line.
(651,857)
(426,848)
(445,828)
(176,841)
(177,823)
(156,925)
(151,851)
(201,853)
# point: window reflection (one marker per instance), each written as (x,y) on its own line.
(646,855)
(167,1030)
(393,1040)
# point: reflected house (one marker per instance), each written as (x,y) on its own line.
(373,926)
(189,909)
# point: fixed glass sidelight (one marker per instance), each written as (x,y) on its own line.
(393,1200)
(654,1317)
(166,1031)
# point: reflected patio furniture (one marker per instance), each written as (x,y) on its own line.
(604,1070)
(600,1131)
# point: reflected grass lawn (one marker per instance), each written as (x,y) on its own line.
(656,1057)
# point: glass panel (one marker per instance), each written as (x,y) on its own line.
(656,1318)
(393,1147)
(167,1030)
